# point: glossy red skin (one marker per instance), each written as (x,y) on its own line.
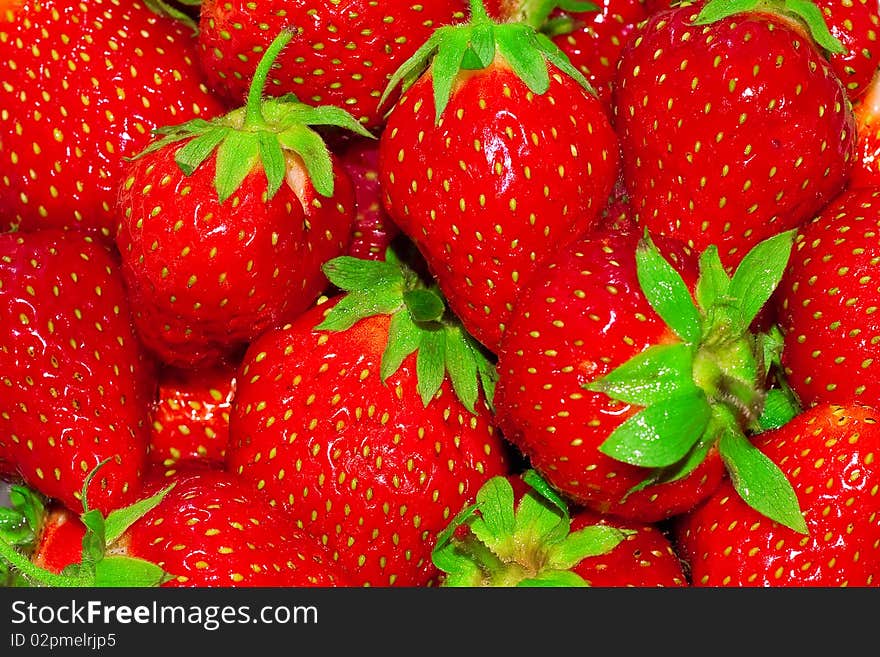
(359,49)
(373,228)
(856,25)
(787,160)
(485,217)
(231,537)
(828,454)
(190,416)
(569,330)
(365,466)
(826,303)
(77,383)
(62,150)
(265,271)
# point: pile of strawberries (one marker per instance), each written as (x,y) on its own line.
(456,293)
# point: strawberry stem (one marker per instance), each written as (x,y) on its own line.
(254,112)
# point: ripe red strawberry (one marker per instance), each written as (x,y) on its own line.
(827,302)
(856,24)
(77,385)
(343,54)
(198,529)
(83,85)
(369,430)
(523,534)
(224,225)
(626,380)
(514,161)
(829,454)
(373,229)
(732,129)
(190,416)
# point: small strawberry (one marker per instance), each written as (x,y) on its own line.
(496,156)
(196,529)
(190,416)
(519,532)
(83,85)
(829,454)
(77,385)
(732,125)
(224,225)
(631,384)
(343,55)
(373,228)
(827,302)
(370,430)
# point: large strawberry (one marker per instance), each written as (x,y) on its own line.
(83,86)
(195,529)
(496,156)
(77,384)
(370,430)
(519,532)
(343,55)
(627,381)
(829,454)
(732,125)
(224,225)
(827,303)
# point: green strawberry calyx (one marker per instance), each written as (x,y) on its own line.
(262,133)
(498,542)
(710,388)
(803,12)
(537,13)
(99,567)
(420,322)
(474,46)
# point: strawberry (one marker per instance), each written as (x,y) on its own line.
(190,416)
(866,172)
(732,125)
(827,301)
(855,24)
(224,225)
(373,228)
(828,453)
(368,429)
(626,379)
(88,82)
(196,529)
(77,383)
(492,165)
(519,532)
(343,54)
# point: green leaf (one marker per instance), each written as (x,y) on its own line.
(681,469)
(404,337)
(713,283)
(356,306)
(667,292)
(560,60)
(461,365)
(545,490)
(315,154)
(237,156)
(119,520)
(495,501)
(518,45)
(430,364)
(121,571)
(758,275)
(355,274)
(780,407)
(289,112)
(649,377)
(413,67)
(591,541)
(539,521)
(272,157)
(715,10)
(554,578)
(760,482)
(660,434)
(482,43)
(815,21)
(190,156)
(447,64)
(424,305)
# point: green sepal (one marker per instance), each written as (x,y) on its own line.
(274,165)
(461,365)
(118,520)
(446,65)
(760,482)
(714,282)
(554,579)
(519,46)
(592,541)
(430,363)
(661,434)
(650,376)
(424,305)
(780,407)
(170,9)
(667,292)
(190,156)
(122,571)
(315,154)
(237,156)
(681,469)
(20,523)
(805,10)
